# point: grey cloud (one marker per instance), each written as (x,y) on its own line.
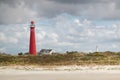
(92,9)
(11,3)
(88,8)
(15,12)
(80,1)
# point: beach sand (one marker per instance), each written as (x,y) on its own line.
(35,74)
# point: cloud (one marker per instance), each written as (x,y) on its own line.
(93,9)
(2,49)
(15,14)
(14,38)
(22,10)
(71,33)
(6,39)
(80,1)
(12,3)
(63,32)
(2,37)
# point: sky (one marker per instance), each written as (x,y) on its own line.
(62,25)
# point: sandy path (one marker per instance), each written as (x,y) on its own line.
(59,75)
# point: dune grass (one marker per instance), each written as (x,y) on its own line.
(75,58)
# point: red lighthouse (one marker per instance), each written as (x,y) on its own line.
(32,45)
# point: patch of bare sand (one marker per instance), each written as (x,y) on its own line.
(60,73)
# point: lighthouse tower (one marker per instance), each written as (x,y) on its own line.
(32,45)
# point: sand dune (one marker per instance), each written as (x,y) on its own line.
(60,73)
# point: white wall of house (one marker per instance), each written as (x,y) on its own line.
(47,51)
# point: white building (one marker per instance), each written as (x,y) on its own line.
(46,51)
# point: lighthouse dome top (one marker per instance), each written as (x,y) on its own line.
(32,22)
